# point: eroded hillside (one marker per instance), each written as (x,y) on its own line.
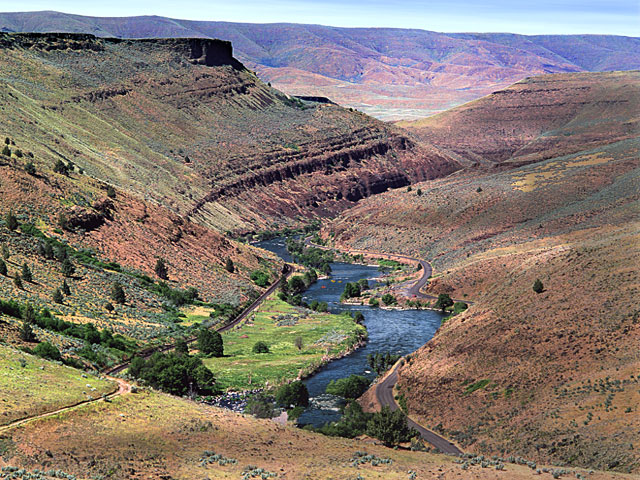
(181,122)
(550,375)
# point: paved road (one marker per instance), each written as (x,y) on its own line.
(384,394)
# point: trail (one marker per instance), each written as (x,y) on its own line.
(125,387)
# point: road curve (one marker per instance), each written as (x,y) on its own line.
(384,395)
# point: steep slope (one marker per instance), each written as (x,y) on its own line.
(537,118)
(550,376)
(183,123)
(389,73)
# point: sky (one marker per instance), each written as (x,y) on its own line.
(619,17)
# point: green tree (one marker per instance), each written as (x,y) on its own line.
(68,269)
(47,350)
(182,346)
(111,192)
(29,314)
(30,168)
(7,141)
(390,427)
(260,347)
(61,253)
(17,281)
(27,276)
(161,269)
(6,151)
(210,342)
(11,222)
(537,286)
(229,266)
(19,153)
(57,296)
(117,293)
(26,333)
(444,301)
(298,343)
(65,288)
(358,317)
(419,192)
(296,285)
(292,394)
(351,387)
(5,252)
(109,307)
(3,268)
(388,299)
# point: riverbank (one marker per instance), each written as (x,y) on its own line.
(299,342)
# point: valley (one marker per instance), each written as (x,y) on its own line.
(479,265)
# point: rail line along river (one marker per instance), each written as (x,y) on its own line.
(396,331)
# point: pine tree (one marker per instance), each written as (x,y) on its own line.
(161,269)
(65,288)
(26,333)
(3,268)
(67,268)
(57,296)
(537,286)
(229,266)
(29,314)
(11,221)
(26,273)
(117,293)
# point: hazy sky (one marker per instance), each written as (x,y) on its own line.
(621,17)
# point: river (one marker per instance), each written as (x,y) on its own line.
(396,331)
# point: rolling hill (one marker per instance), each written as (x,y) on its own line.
(387,73)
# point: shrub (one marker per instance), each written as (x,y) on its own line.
(30,168)
(388,299)
(11,222)
(229,267)
(292,394)
(6,151)
(260,278)
(419,192)
(7,141)
(111,192)
(5,252)
(57,296)
(260,347)
(374,302)
(117,293)
(351,387)
(260,406)
(537,286)
(352,423)
(210,342)
(19,153)
(61,167)
(358,317)
(298,343)
(26,273)
(17,281)
(3,268)
(47,350)
(182,346)
(161,269)
(109,307)
(26,333)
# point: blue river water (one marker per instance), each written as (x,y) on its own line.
(396,331)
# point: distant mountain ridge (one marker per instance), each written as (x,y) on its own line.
(388,73)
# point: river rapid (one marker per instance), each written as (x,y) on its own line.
(396,331)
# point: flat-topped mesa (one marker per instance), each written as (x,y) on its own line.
(200,51)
